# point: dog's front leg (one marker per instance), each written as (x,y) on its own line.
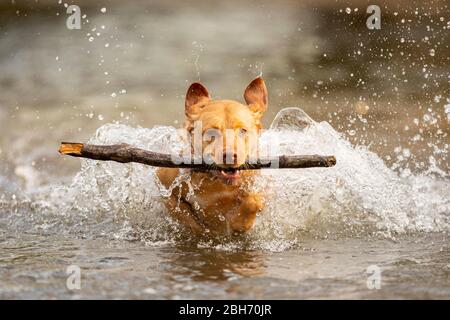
(182,211)
(244,217)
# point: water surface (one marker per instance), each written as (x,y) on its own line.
(380,101)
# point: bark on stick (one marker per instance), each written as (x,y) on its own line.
(125,153)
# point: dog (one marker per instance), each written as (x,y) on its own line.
(221,202)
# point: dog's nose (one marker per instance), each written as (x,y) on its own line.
(229,158)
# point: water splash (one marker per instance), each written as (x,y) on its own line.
(360,196)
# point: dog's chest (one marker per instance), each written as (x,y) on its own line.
(212,195)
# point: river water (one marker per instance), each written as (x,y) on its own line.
(374,226)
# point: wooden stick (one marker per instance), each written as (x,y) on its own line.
(125,153)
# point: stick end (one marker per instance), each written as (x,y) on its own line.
(71,148)
(331,161)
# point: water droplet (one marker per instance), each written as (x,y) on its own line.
(406,153)
(361,107)
(447,111)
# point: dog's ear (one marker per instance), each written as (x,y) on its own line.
(196,96)
(256,96)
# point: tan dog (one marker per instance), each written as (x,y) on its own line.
(221,203)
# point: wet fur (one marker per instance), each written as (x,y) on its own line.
(219,206)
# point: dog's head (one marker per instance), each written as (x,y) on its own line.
(228,128)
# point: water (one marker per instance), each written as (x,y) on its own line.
(380,105)
(413,267)
(110,221)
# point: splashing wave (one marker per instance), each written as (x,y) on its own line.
(360,196)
